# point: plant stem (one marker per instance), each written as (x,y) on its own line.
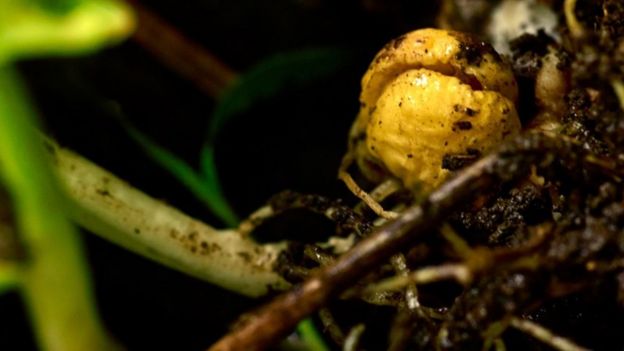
(114,210)
(54,279)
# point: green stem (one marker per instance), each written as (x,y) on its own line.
(311,336)
(54,278)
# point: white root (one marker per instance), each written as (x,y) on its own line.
(120,213)
(545,335)
(353,339)
(459,272)
(373,204)
(411,292)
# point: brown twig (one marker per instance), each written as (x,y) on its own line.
(181,54)
(276,319)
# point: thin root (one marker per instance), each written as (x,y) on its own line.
(545,335)
(353,339)
(459,272)
(618,87)
(499,345)
(492,335)
(411,292)
(460,246)
(260,215)
(331,327)
(344,175)
(386,188)
(575,27)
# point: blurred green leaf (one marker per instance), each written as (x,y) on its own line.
(54,282)
(60,28)
(271,76)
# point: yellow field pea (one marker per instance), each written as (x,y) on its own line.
(426,95)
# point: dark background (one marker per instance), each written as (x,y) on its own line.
(292,141)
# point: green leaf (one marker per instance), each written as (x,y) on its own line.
(55,280)
(206,190)
(273,75)
(213,185)
(61,27)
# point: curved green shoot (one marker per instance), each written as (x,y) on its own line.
(207,189)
